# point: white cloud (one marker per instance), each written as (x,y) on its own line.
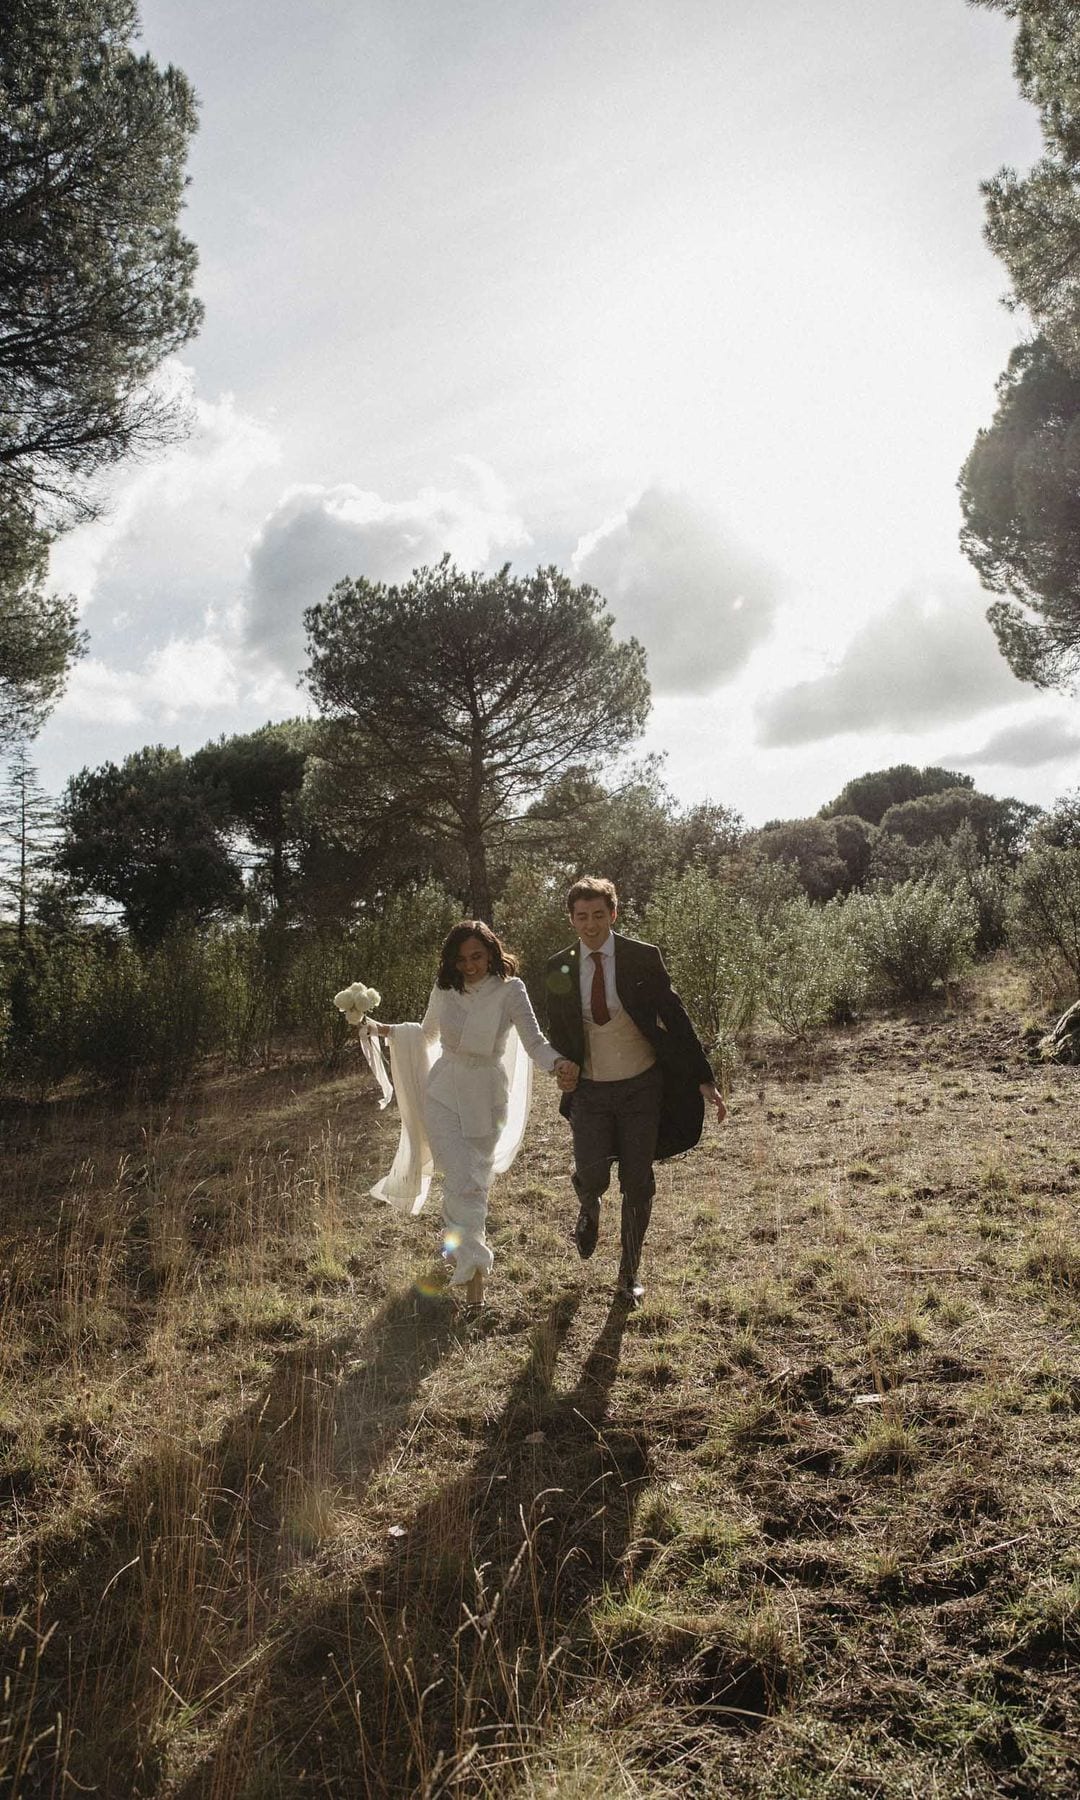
(928,657)
(680,584)
(186,680)
(191,675)
(316,536)
(165,516)
(99,695)
(1029,744)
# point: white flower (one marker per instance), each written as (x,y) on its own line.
(357,1001)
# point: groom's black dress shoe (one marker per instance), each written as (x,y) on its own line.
(586,1232)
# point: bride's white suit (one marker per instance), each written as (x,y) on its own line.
(463,1080)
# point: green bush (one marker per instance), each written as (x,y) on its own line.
(118,1013)
(399,946)
(986,880)
(813,967)
(915,937)
(395,950)
(247,980)
(320,964)
(708,933)
(41,1021)
(1045,915)
(531,919)
(152,1014)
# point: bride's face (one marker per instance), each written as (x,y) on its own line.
(473,959)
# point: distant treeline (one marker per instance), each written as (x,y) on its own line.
(177,909)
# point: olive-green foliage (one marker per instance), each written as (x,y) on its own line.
(751,946)
(1046,912)
(634,833)
(246,971)
(999,826)
(531,919)
(39,633)
(915,937)
(708,934)
(153,1014)
(44,992)
(812,967)
(830,856)
(987,882)
(1018,486)
(149,835)
(115,1012)
(870,796)
(1059,827)
(1018,497)
(395,950)
(808,846)
(1033,220)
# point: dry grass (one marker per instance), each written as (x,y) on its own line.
(278,1520)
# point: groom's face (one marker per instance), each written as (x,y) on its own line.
(592,920)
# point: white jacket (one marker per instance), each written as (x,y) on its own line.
(465,1055)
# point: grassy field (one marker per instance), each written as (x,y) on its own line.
(277,1519)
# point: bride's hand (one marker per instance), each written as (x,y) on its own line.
(383,1030)
(566,1074)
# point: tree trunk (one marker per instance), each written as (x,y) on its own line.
(1062,1045)
(22,867)
(277,876)
(480,906)
(475,847)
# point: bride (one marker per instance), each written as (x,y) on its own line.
(463,1089)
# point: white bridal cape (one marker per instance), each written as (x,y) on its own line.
(466,1056)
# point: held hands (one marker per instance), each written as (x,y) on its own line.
(714,1097)
(566,1074)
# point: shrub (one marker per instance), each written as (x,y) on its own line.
(247,980)
(709,935)
(1045,920)
(915,937)
(399,946)
(987,882)
(395,950)
(840,949)
(153,1013)
(813,968)
(118,1012)
(531,918)
(42,1013)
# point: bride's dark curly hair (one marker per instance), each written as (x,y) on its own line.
(503,964)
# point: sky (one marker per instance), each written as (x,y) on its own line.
(689,297)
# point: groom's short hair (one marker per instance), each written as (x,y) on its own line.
(592,887)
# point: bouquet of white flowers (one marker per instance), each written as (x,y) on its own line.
(355,1003)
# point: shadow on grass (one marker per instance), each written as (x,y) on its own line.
(131,1618)
(437,1667)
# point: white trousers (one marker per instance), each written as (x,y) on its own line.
(466,1166)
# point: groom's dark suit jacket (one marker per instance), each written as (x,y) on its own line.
(644,987)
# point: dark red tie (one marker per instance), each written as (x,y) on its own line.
(598,1005)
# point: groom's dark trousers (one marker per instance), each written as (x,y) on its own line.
(631,1121)
(618,1121)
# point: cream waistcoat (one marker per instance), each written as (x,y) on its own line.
(617,1050)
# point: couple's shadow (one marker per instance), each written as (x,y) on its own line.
(467,1627)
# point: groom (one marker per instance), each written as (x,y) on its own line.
(644,1076)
